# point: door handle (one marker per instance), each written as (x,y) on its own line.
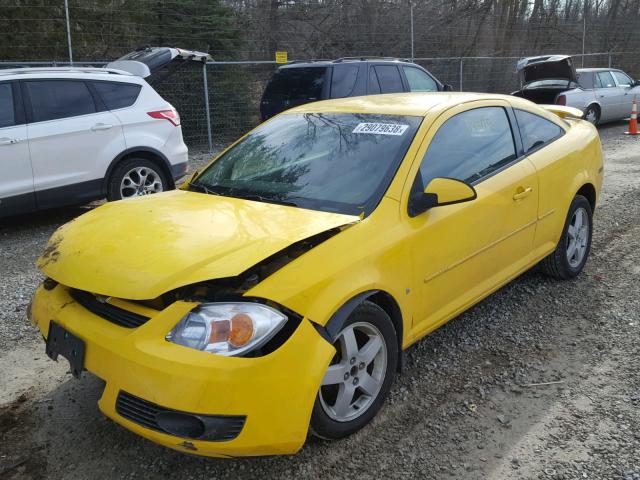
(522,193)
(8,141)
(101,126)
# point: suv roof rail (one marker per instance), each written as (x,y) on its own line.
(27,70)
(367,57)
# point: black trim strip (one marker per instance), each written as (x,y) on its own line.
(113,314)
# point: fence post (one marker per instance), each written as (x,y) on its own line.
(609,59)
(411,11)
(66,12)
(460,73)
(206,105)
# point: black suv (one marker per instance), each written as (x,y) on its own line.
(303,82)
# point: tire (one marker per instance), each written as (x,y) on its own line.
(564,263)
(332,419)
(136,177)
(592,114)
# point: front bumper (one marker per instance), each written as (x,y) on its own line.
(275,392)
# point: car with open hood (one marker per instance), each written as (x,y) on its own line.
(275,292)
(603,94)
(71,135)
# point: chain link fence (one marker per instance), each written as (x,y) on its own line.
(220,101)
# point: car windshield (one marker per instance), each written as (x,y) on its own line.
(336,162)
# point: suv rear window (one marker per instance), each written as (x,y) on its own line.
(343,81)
(388,78)
(303,83)
(51,99)
(117,95)
(7,112)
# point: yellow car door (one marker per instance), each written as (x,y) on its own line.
(463,252)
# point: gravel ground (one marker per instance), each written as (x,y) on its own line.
(469,403)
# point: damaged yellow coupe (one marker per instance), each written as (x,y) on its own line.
(274,293)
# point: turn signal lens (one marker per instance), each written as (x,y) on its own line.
(241,330)
(227,328)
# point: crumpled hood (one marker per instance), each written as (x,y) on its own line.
(139,249)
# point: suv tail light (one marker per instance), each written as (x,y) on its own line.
(171,115)
(561,100)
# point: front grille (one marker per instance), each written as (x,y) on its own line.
(178,423)
(109,312)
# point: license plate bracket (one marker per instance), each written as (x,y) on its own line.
(62,342)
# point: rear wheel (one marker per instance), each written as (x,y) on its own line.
(570,256)
(592,114)
(136,177)
(360,375)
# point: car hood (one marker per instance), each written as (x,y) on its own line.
(546,67)
(139,249)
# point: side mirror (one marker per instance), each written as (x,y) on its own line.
(441,191)
(447,88)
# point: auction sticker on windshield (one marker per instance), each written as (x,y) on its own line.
(381,128)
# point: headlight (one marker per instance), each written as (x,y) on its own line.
(227,328)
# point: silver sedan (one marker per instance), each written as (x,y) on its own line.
(603,94)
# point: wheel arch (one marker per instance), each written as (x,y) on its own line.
(594,103)
(588,190)
(147,153)
(382,299)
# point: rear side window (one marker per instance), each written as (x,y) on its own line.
(117,95)
(585,80)
(388,78)
(605,80)
(7,111)
(419,81)
(622,79)
(469,146)
(296,83)
(536,131)
(51,99)
(343,81)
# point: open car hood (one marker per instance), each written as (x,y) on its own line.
(546,67)
(145,61)
(139,249)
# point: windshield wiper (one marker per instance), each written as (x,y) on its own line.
(260,198)
(202,188)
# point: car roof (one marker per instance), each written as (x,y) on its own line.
(68,72)
(414,104)
(599,69)
(350,60)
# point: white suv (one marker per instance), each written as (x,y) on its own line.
(73,135)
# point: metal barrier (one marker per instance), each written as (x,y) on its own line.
(219,101)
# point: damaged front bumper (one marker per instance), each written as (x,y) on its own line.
(189,400)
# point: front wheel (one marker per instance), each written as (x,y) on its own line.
(571,253)
(359,376)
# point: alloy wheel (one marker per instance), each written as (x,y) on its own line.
(356,374)
(577,237)
(140,181)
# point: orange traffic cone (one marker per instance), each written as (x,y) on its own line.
(633,121)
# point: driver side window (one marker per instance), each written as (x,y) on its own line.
(469,146)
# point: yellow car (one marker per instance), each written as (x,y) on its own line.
(274,293)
